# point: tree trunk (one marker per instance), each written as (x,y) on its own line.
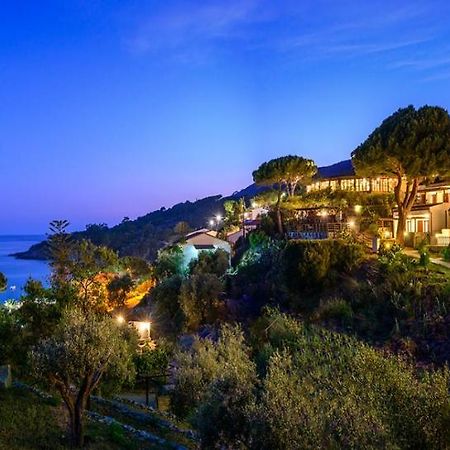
(78,431)
(400,236)
(278,209)
(405,202)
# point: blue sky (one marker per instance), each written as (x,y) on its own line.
(115,108)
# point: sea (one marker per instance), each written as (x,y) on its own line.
(18,271)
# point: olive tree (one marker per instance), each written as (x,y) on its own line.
(413,146)
(285,173)
(82,350)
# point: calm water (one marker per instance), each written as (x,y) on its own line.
(19,270)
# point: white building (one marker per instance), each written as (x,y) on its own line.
(200,241)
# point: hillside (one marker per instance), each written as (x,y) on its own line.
(145,235)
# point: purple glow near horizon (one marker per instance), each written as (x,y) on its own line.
(113,109)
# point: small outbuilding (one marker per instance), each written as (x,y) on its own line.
(200,241)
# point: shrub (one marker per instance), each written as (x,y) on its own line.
(152,361)
(216,263)
(336,309)
(326,390)
(310,264)
(446,253)
(206,363)
(199,299)
(169,318)
(318,390)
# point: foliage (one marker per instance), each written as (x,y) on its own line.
(169,317)
(216,262)
(410,145)
(153,361)
(336,310)
(118,288)
(287,171)
(169,263)
(182,228)
(200,299)
(29,422)
(74,360)
(284,172)
(144,236)
(315,389)
(234,209)
(10,335)
(3,282)
(213,384)
(24,322)
(138,268)
(307,265)
(392,259)
(446,253)
(256,271)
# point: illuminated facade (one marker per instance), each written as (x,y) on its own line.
(429,217)
(341,176)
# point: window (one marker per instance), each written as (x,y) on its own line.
(423,225)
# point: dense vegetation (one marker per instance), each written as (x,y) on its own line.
(144,236)
(314,344)
(293,386)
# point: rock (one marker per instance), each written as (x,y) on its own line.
(5,376)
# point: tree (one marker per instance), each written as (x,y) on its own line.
(60,247)
(199,299)
(118,288)
(169,262)
(74,360)
(412,146)
(87,263)
(234,209)
(3,282)
(182,228)
(166,308)
(286,173)
(216,262)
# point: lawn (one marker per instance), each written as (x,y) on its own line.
(28,422)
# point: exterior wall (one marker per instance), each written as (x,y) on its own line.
(439,217)
(429,196)
(190,252)
(379,184)
(207,239)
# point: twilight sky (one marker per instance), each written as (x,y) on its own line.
(113,108)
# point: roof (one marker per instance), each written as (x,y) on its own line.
(197,232)
(203,237)
(337,170)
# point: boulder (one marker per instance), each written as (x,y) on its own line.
(5,376)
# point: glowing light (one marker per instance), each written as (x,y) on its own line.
(254,205)
(120,319)
(218,217)
(351,223)
(211,223)
(358,209)
(143,329)
(323,213)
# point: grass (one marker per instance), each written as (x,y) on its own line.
(28,422)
